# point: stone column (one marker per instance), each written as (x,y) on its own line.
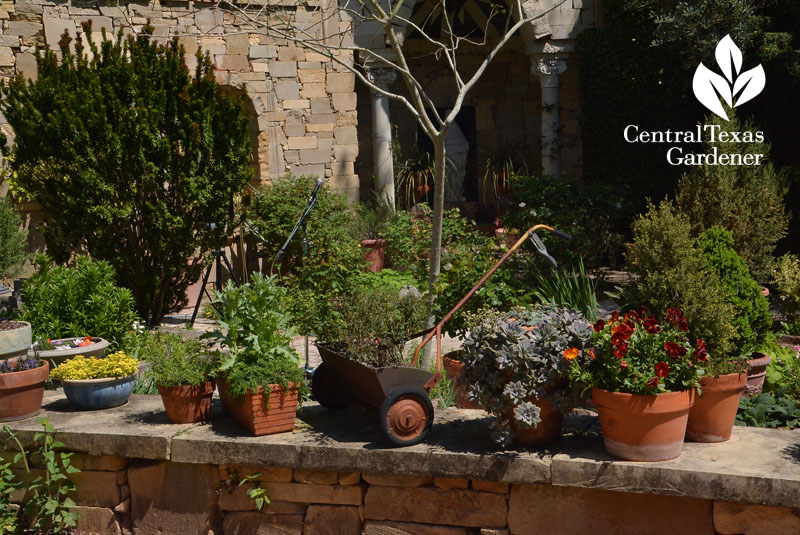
(548,71)
(382,135)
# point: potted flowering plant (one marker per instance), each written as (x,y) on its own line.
(56,351)
(21,387)
(642,374)
(97,383)
(515,369)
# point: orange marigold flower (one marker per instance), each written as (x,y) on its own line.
(571,353)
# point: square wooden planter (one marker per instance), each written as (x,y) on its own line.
(259,414)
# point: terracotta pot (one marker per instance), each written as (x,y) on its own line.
(455,369)
(756,371)
(546,432)
(712,415)
(421,187)
(21,393)
(790,340)
(187,404)
(640,427)
(259,414)
(374,252)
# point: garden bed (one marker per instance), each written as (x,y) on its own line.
(329,466)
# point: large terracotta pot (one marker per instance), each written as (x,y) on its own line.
(455,369)
(714,411)
(546,432)
(15,339)
(187,404)
(374,252)
(21,393)
(259,414)
(756,371)
(640,427)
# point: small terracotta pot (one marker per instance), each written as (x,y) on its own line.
(790,340)
(546,432)
(21,393)
(374,252)
(639,427)
(714,411)
(259,414)
(756,371)
(187,404)
(455,369)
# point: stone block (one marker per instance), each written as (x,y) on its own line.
(342,168)
(297,143)
(169,497)
(97,521)
(312,156)
(208,19)
(391,480)
(409,528)
(304,493)
(344,101)
(283,69)
(316,170)
(345,135)
(23,28)
(259,66)
(322,118)
(349,478)
(321,106)
(9,40)
(545,509)
(322,127)
(341,82)
(258,524)
(99,463)
(238,44)
(311,75)
(96,489)
(189,43)
(332,520)
(291,53)
(256,86)
(347,118)
(263,51)
(54,28)
(305,65)
(294,130)
(436,506)
(494,532)
(235,473)
(7,58)
(345,153)
(234,498)
(232,63)
(448,483)
(216,50)
(300,104)
(748,519)
(320,477)
(313,90)
(287,89)
(490,486)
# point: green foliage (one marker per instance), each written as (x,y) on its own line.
(145,386)
(370,219)
(13,241)
(8,486)
(175,360)
(745,200)
(671,271)
(387,278)
(78,300)
(46,508)
(593,214)
(769,410)
(132,159)
(256,492)
(751,318)
(783,370)
(786,279)
(373,325)
(255,327)
(333,258)
(444,393)
(569,288)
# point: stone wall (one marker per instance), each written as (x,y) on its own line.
(119,495)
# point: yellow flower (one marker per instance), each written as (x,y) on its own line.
(571,353)
(116,364)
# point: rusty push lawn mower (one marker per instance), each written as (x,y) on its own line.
(399,395)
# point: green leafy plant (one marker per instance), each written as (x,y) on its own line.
(176,361)
(145,385)
(253,325)
(78,300)
(144,179)
(769,410)
(444,393)
(502,162)
(783,370)
(370,219)
(413,175)
(374,324)
(568,288)
(256,492)
(13,241)
(786,279)
(671,271)
(46,505)
(509,363)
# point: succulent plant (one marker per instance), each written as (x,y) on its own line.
(510,361)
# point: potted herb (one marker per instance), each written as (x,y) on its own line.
(181,368)
(21,387)
(642,374)
(259,378)
(91,383)
(515,369)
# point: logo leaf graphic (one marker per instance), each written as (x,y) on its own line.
(706,85)
(729,57)
(750,83)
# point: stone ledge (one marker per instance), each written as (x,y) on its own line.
(756,466)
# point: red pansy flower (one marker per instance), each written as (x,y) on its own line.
(623,365)
(662,369)
(700,353)
(653,382)
(599,325)
(620,351)
(651,325)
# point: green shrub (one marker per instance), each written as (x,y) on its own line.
(333,259)
(78,300)
(748,201)
(13,241)
(751,318)
(783,370)
(670,271)
(175,360)
(132,159)
(769,410)
(786,279)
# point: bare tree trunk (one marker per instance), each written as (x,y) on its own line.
(439,170)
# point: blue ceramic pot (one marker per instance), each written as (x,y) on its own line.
(93,394)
